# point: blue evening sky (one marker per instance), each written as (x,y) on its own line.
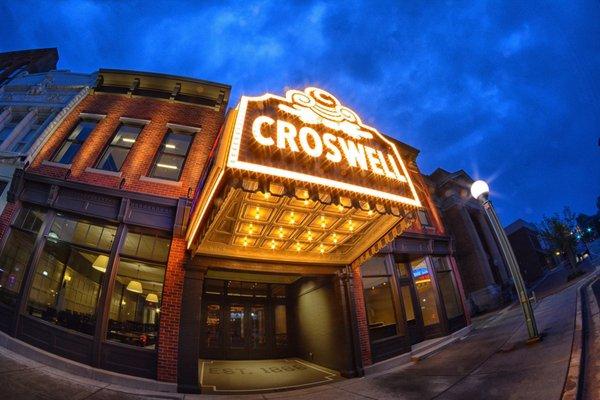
(508,91)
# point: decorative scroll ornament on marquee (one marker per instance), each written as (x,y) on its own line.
(315,106)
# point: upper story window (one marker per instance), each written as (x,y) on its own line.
(424,218)
(171,156)
(73,142)
(24,143)
(115,154)
(9,126)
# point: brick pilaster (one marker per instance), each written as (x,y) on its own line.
(361,317)
(168,340)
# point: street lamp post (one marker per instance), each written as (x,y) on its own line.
(480,190)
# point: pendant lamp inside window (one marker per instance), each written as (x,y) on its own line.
(135,286)
(101,263)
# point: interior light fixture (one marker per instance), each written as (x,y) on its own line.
(245,242)
(272,244)
(135,287)
(101,263)
(152,298)
(309,235)
(257,214)
(128,140)
(280,232)
(168,166)
(169,146)
(322,221)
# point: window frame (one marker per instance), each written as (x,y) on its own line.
(161,151)
(392,287)
(109,145)
(82,118)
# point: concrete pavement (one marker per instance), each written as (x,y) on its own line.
(493,362)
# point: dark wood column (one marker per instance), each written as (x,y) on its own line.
(108,283)
(189,329)
(346,295)
(40,240)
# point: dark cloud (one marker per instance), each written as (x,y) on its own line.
(505,90)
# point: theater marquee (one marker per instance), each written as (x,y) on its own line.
(310,137)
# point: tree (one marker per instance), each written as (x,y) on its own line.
(559,230)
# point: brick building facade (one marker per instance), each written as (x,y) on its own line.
(534,259)
(134,242)
(485,276)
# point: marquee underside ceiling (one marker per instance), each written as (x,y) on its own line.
(259,226)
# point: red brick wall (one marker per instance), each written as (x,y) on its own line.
(141,156)
(6,217)
(361,317)
(168,339)
(138,163)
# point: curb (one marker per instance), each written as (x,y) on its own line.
(82,370)
(574,379)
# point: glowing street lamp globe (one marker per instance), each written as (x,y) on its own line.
(479,188)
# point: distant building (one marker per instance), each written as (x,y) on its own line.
(485,276)
(533,253)
(31,107)
(17,63)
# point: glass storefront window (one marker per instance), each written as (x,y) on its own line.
(16,253)
(381,315)
(213,326)
(137,293)
(425,291)
(68,275)
(445,280)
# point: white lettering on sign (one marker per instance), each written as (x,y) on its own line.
(308,140)
(270,133)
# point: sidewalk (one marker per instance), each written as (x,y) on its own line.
(492,362)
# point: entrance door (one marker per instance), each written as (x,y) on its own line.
(246,325)
(242,320)
(407,297)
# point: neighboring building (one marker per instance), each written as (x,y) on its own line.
(17,63)
(152,232)
(485,276)
(533,254)
(98,219)
(31,107)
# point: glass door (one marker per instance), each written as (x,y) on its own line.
(407,297)
(426,296)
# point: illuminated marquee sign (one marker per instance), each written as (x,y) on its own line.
(310,137)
